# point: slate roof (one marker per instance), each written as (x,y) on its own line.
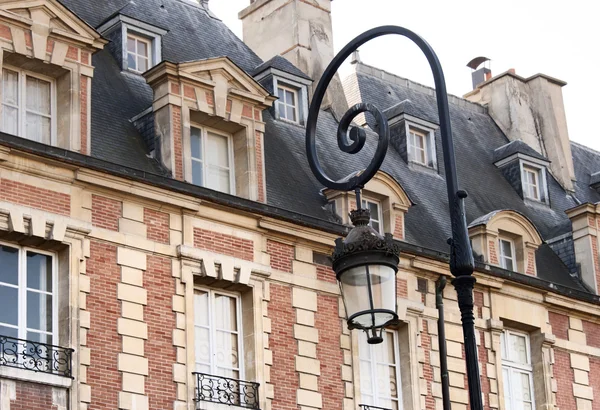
(194,34)
(516,147)
(282,64)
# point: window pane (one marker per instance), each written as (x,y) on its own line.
(197,173)
(290,113)
(218,179)
(9,265)
(218,149)
(131,44)
(38,95)
(506,377)
(376,226)
(38,128)
(232,374)
(390,356)
(39,311)
(196,143)
(366,384)
(226,313)
(142,64)
(227,354)
(290,98)
(202,348)
(282,112)
(386,379)
(525,387)
(374,209)
(10,87)
(131,61)
(9,308)
(201,308)
(10,120)
(506,248)
(508,264)
(280,94)
(39,271)
(9,332)
(518,348)
(142,48)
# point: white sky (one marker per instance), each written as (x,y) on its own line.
(555,37)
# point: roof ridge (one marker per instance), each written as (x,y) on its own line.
(585,147)
(453,99)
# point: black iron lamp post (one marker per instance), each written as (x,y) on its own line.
(366,262)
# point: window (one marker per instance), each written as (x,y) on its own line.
(531,182)
(217,334)
(507,254)
(211,155)
(288,103)
(380,372)
(28,295)
(139,54)
(517,371)
(376,217)
(417,146)
(27,105)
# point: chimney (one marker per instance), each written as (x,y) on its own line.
(531,110)
(204,3)
(482,74)
(300,31)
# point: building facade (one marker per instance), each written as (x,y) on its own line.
(164,244)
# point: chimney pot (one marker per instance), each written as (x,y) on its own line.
(356,57)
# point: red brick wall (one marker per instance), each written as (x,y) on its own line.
(281,255)
(483,359)
(563,373)
(592,333)
(83,101)
(478,299)
(73,53)
(32,396)
(224,244)
(106,212)
(530,263)
(399,227)
(493,254)
(329,352)
(159,348)
(401,288)
(259,167)
(5,32)
(560,325)
(103,339)
(34,197)
(325,273)
(427,368)
(177,143)
(157,225)
(284,347)
(596,261)
(594,376)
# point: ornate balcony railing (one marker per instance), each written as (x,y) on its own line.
(232,392)
(369,407)
(35,356)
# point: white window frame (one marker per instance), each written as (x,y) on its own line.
(204,132)
(143,39)
(296,107)
(428,141)
(373,362)
(22,291)
(213,330)
(502,258)
(22,109)
(512,366)
(540,175)
(364,205)
(414,133)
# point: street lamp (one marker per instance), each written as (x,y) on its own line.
(365,270)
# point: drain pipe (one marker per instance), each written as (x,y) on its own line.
(439,304)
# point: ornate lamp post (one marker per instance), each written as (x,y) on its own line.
(365,262)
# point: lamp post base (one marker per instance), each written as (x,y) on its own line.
(464,289)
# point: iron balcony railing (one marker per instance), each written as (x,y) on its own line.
(369,407)
(35,356)
(223,390)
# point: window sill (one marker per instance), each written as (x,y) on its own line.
(297,124)
(33,377)
(536,203)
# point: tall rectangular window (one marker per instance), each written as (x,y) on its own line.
(417,146)
(139,53)
(517,371)
(287,105)
(28,295)
(218,338)
(27,105)
(380,383)
(531,183)
(211,155)
(507,254)
(376,216)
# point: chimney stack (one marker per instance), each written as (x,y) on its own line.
(301,32)
(482,74)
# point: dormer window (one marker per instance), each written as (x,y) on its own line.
(139,54)
(374,207)
(27,105)
(288,103)
(507,254)
(212,154)
(420,144)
